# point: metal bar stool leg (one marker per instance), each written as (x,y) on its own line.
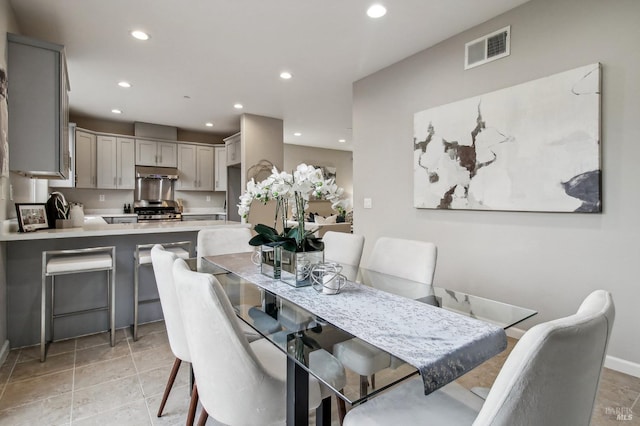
(136,289)
(112,301)
(43,311)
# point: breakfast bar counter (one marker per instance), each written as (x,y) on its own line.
(75,292)
(95,228)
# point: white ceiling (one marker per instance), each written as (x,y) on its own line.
(219,52)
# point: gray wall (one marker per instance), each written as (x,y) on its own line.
(7,24)
(545,261)
(341,160)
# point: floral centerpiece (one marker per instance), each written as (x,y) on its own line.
(294,249)
(292,190)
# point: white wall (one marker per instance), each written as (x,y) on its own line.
(545,261)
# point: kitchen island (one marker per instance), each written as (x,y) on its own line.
(87,290)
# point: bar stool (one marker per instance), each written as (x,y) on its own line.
(142,256)
(64,262)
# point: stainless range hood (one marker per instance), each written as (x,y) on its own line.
(157,172)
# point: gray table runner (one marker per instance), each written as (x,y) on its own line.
(442,345)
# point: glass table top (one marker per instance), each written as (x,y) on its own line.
(310,339)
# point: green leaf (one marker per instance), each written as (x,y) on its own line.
(265,230)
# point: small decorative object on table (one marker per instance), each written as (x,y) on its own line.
(326,278)
(289,255)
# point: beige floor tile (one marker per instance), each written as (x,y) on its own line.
(107,396)
(134,414)
(51,411)
(149,341)
(35,368)
(92,340)
(175,411)
(101,353)
(146,329)
(154,381)
(160,357)
(104,371)
(42,387)
(32,353)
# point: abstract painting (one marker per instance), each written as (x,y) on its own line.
(530,147)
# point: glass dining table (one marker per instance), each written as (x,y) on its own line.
(433,331)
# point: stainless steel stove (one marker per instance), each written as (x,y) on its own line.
(154,193)
(156,211)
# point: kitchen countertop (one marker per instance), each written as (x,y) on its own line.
(95,227)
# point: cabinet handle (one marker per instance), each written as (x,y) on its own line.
(121,181)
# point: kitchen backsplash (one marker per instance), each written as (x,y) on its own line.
(25,190)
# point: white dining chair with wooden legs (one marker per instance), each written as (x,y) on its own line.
(142,257)
(162,261)
(550,378)
(75,261)
(239,383)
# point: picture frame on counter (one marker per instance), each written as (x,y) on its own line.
(32,216)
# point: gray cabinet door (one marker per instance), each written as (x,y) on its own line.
(38,105)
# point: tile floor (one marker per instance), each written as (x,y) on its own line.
(86,382)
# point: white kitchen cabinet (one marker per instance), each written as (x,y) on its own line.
(195,163)
(85,160)
(187,167)
(152,153)
(234,149)
(115,168)
(220,183)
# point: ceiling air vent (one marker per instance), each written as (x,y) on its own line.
(487,48)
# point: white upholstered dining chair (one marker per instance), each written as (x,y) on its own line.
(239,383)
(408,259)
(162,262)
(346,249)
(222,240)
(550,378)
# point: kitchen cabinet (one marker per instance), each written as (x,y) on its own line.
(85,159)
(39,108)
(220,183)
(195,163)
(152,153)
(234,149)
(115,165)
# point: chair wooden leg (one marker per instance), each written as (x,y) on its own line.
(203,417)
(342,408)
(193,404)
(167,389)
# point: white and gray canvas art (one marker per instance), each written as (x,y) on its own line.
(530,147)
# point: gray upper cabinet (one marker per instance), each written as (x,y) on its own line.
(38,108)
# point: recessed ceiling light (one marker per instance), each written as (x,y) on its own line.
(209,124)
(376,11)
(297,134)
(125,84)
(238,106)
(116,111)
(285,75)
(342,140)
(140,35)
